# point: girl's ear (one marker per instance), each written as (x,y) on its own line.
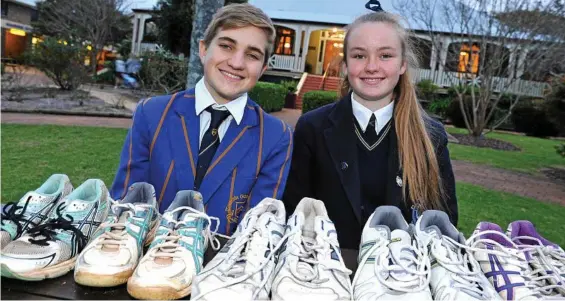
(403,67)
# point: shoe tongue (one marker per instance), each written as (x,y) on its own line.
(264,220)
(77,209)
(325,229)
(399,239)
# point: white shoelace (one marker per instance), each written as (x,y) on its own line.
(118,232)
(254,249)
(459,264)
(417,279)
(171,239)
(512,257)
(549,262)
(309,254)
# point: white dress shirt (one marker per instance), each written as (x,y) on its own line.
(204,99)
(363,114)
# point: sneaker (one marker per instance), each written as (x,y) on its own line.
(455,274)
(112,255)
(50,250)
(546,259)
(243,268)
(504,265)
(33,208)
(177,252)
(390,264)
(310,266)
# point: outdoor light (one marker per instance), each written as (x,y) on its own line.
(286,45)
(17,32)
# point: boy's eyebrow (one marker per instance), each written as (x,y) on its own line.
(252,48)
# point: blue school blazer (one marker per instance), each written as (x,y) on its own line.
(161,148)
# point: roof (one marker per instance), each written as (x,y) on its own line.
(27,3)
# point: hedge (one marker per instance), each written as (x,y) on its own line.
(532,119)
(269,96)
(315,99)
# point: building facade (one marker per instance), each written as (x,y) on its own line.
(17,17)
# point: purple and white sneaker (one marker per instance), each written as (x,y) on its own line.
(546,259)
(503,263)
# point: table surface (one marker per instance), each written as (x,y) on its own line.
(65,287)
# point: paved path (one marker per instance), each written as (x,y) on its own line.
(536,187)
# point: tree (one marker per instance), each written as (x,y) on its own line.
(92,22)
(174,20)
(484,47)
(203,12)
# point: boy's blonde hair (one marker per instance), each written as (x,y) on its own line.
(239,16)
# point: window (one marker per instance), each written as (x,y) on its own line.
(469,59)
(4,8)
(284,41)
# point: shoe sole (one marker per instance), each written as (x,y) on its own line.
(97,280)
(156,292)
(53,271)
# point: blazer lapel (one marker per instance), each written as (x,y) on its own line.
(233,148)
(341,143)
(394,183)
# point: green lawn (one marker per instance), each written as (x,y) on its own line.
(536,153)
(30,154)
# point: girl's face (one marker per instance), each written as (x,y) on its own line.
(374,60)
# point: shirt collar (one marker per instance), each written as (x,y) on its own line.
(204,99)
(363,114)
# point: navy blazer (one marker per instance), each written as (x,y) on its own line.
(161,148)
(324,166)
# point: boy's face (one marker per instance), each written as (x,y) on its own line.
(234,61)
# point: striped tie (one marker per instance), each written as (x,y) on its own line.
(209,144)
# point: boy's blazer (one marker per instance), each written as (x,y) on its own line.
(161,148)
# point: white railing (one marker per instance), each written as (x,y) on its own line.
(500,84)
(283,62)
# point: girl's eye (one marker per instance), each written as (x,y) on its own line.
(387,56)
(358,56)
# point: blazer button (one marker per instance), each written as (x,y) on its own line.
(344,165)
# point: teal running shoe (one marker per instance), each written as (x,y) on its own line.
(33,208)
(50,249)
(112,255)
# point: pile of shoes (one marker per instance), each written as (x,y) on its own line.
(55,229)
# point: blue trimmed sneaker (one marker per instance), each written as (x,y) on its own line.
(50,249)
(176,254)
(33,208)
(112,255)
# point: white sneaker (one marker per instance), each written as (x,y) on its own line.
(177,252)
(243,268)
(504,265)
(390,265)
(112,255)
(310,266)
(455,275)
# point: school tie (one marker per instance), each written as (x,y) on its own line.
(370,134)
(209,144)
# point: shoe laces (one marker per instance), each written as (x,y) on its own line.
(171,239)
(49,230)
(310,255)
(512,255)
(248,248)
(406,271)
(117,235)
(466,272)
(550,265)
(16,214)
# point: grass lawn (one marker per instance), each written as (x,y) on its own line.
(536,153)
(30,154)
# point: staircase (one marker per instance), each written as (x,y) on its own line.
(316,82)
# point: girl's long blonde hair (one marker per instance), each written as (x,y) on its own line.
(416,152)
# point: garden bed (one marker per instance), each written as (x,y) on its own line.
(485,142)
(54,100)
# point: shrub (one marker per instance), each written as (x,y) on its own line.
(426,89)
(163,72)
(315,99)
(531,118)
(555,108)
(63,63)
(269,96)
(289,85)
(561,149)
(439,106)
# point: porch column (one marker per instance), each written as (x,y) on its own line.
(512,63)
(141,30)
(443,54)
(521,62)
(433,60)
(134,33)
(305,48)
(297,40)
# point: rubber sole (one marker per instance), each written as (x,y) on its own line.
(97,280)
(156,292)
(53,271)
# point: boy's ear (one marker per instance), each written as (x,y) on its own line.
(202,50)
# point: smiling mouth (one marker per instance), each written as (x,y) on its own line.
(372,81)
(231,75)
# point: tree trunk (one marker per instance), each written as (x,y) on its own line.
(203,12)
